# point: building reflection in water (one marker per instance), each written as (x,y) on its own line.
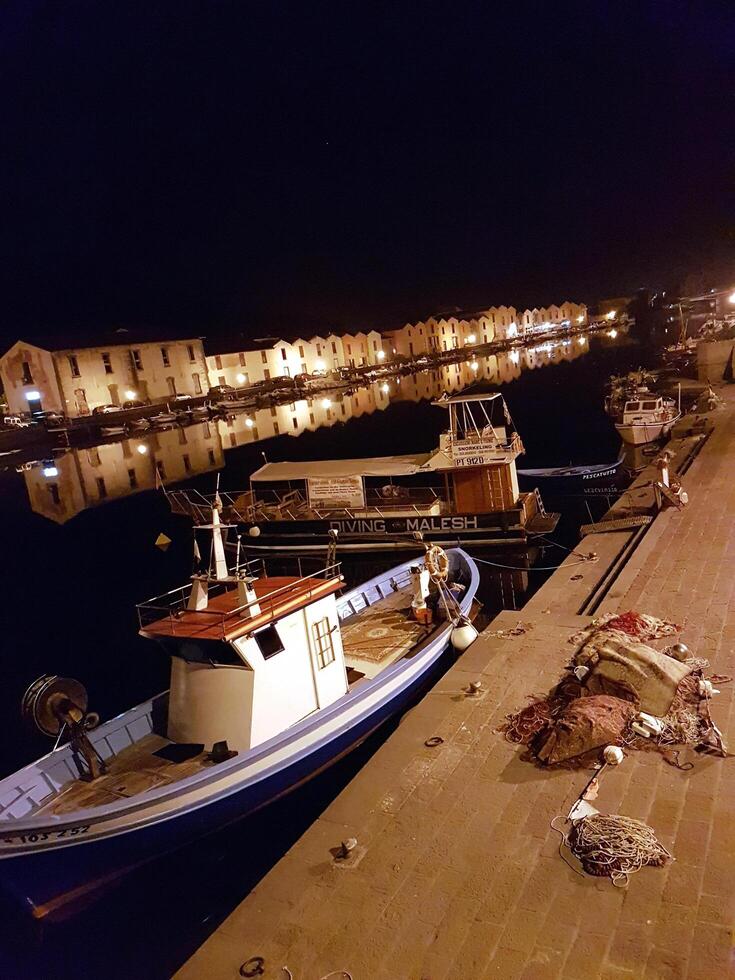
(83,478)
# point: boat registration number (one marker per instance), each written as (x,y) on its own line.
(37,838)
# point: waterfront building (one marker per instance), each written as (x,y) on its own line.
(82,478)
(76,380)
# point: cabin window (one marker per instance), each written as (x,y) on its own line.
(648,406)
(323,642)
(631,406)
(269,642)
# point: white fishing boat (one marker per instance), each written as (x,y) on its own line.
(647,419)
(272,680)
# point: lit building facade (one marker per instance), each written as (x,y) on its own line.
(76,381)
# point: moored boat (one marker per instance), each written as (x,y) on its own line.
(464,491)
(592,480)
(646,419)
(272,679)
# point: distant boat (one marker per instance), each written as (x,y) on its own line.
(113,430)
(646,419)
(162,418)
(588,480)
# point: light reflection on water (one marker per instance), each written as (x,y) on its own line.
(84,478)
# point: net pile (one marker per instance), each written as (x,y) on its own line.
(521,727)
(608,844)
(641,626)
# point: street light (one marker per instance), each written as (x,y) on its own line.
(240,378)
(249,423)
(381,355)
(142,449)
(731,298)
(130,394)
(471,339)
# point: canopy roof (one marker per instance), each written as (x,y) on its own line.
(375,466)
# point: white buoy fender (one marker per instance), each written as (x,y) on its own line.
(254,532)
(613,755)
(463,634)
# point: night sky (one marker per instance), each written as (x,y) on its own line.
(300,166)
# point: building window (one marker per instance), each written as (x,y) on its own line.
(165,357)
(171,382)
(74,366)
(375,345)
(264,357)
(137,362)
(233,440)
(101,488)
(304,368)
(221,379)
(295,423)
(319,350)
(187,463)
(286,373)
(192,355)
(274,411)
(312,420)
(210,453)
(93,455)
(107,364)
(301,351)
(241,356)
(53,489)
(197,384)
(323,642)
(27,376)
(133,478)
(349,349)
(160,469)
(206,429)
(218,362)
(284,355)
(266,374)
(183,438)
(334,347)
(276,430)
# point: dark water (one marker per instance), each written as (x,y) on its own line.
(77,561)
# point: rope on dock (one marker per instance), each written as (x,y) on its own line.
(612,845)
(536,568)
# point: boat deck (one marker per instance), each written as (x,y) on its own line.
(134,770)
(382,633)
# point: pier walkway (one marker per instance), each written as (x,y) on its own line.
(456,873)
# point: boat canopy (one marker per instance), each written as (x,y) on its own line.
(375,466)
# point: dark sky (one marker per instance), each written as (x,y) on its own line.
(303,165)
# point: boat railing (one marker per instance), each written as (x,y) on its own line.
(173,605)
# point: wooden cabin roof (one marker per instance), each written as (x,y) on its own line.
(278,596)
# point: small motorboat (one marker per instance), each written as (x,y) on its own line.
(272,680)
(109,431)
(139,425)
(646,419)
(599,478)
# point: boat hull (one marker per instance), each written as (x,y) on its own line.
(641,433)
(46,877)
(574,481)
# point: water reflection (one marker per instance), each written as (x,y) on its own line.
(81,478)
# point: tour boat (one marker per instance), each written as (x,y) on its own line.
(272,680)
(465,491)
(646,419)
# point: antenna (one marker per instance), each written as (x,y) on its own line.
(237,555)
(265,458)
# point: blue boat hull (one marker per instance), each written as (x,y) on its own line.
(47,880)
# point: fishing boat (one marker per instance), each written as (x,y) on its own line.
(272,679)
(646,419)
(594,480)
(465,491)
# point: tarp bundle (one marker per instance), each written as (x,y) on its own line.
(624,668)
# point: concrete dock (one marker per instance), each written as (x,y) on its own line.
(456,873)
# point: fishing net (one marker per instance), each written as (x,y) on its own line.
(638,625)
(521,727)
(585,725)
(608,844)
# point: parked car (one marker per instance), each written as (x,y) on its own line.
(49,418)
(181,398)
(16,421)
(136,403)
(221,391)
(105,409)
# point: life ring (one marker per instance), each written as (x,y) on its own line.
(436,562)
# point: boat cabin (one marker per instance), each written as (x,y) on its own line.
(643,409)
(274,643)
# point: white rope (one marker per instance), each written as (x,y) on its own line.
(533,568)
